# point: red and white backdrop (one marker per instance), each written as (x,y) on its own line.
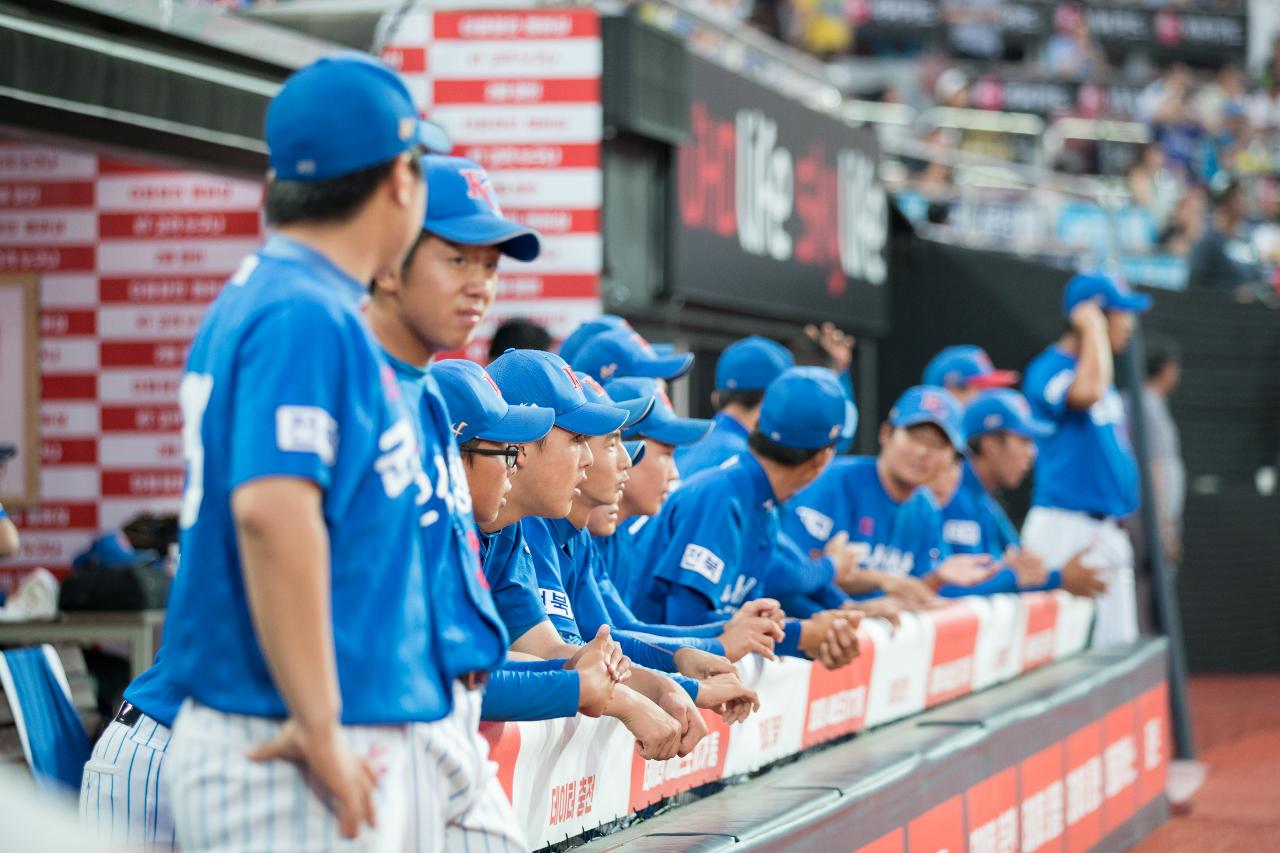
(128,257)
(519,92)
(567,776)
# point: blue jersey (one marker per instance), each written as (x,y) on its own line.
(727,439)
(154,693)
(1087,465)
(716,536)
(623,559)
(902,538)
(469,634)
(284,379)
(508,567)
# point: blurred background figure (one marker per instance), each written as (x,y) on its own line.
(518,333)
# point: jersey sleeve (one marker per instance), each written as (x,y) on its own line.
(1046,386)
(816,514)
(290,406)
(517,692)
(509,571)
(704,551)
(792,572)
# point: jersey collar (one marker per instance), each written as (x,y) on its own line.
(728,423)
(562,531)
(286,249)
(761,491)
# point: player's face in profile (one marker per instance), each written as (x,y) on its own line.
(489,479)
(553,470)
(612,467)
(651,479)
(915,455)
(1119,329)
(1014,456)
(447,290)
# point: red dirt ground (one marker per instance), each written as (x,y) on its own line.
(1237,727)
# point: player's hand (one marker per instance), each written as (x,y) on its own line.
(881,608)
(595,683)
(963,570)
(1088,316)
(618,664)
(728,696)
(681,708)
(836,344)
(1027,566)
(830,637)
(756,634)
(845,559)
(911,593)
(695,663)
(656,732)
(326,755)
(766,608)
(1079,579)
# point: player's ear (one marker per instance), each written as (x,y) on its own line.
(387,281)
(886,433)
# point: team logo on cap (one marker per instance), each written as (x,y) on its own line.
(492,384)
(572,377)
(608,370)
(835,431)
(992,421)
(406,128)
(458,428)
(595,386)
(480,187)
(933,403)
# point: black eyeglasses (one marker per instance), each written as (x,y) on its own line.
(511,452)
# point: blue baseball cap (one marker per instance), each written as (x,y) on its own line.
(966,366)
(751,364)
(1003,410)
(478,410)
(662,424)
(804,408)
(579,337)
(462,207)
(341,114)
(622,352)
(636,406)
(930,404)
(1112,294)
(635,449)
(536,378)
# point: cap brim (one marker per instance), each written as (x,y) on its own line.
(668,367)
(677,431)
(664,350)
(995,379)
(592,419)
(1131,303)
(635,450)
(637,409)
(520,425)
(434,138)
(925,418)
(512,238)
(1031,428)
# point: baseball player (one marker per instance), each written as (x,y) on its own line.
(306,656)
(743,371)
(122,794)
(754,627)
(881,505)
(1086,474)
(1002,432)
(491,436)
(578,338)
(553,470)
(966,371)
(712,546)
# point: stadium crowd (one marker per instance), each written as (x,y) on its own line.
(381,549)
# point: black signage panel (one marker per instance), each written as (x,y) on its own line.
(778,208)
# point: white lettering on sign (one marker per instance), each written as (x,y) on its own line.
(1121,765)
(950,677)
(704,756)
(765,187)
(1042,817)
(863,218)
(1084,790)
(1153,743)
(837,708)
(999,835)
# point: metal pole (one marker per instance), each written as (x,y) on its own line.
(1162,576)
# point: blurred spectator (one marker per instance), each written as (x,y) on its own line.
(951,89)
(1221,260)
(1151,185)
(973,28)
(1071,52)
(1186,225)
(1166,106)
(518,333)
(1164,446)
(821,27)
